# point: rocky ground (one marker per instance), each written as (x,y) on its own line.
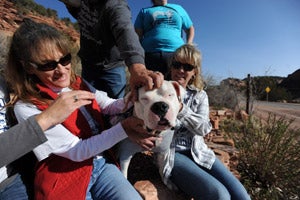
(10,19)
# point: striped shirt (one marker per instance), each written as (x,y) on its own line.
(192,125)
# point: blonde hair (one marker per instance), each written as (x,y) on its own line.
(189,54)
(30,43)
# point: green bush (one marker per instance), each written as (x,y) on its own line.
(269,158)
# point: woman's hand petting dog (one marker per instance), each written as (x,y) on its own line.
(63,106)
(134,127)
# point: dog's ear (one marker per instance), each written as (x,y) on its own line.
(180,91)
(126,98)
(127,101)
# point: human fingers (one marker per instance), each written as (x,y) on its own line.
(138,75)
(77,95)
(133,125)
(147,143)
(139,80)
(147,82)
(152,79)
(133,96)
(67,102)
(134,128)
(136,132)
(63,106)
(157,78)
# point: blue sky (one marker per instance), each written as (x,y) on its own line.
(237,37)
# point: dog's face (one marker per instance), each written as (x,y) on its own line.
(159,107)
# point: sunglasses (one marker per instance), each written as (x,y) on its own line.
(51,65)
(186,67)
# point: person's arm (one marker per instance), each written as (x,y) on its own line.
(63,143)
(24,137)
(190,33)
(130,48)
(187,24)
(131,127)
(19,140)
(197,121)
(122,29)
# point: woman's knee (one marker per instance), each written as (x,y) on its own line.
(214,192)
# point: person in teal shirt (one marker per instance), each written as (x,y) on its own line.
(160,31)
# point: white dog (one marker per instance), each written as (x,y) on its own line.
(158,109)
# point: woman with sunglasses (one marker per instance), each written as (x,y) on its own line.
(72,163)
(191,166)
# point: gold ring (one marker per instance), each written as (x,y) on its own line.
(75,98)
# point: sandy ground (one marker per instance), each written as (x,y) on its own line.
(289,111)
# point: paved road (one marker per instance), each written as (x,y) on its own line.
(288,110)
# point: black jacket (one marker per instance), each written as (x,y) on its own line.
(107,35)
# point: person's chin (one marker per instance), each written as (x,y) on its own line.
(63,84)
(181,81)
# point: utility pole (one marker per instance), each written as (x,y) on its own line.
(248,94)
(267,91)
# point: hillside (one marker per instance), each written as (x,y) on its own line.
(11,18)
(292,84)
(281,88)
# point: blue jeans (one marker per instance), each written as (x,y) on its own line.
(112,81)
(15,190)
(107,182)
(201,183)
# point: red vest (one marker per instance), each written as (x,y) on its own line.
(60,178)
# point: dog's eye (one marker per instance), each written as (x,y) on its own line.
(144,100)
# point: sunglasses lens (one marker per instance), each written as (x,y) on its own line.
(65,60)
(48,66)
(176,65)
(53,64)
(186,67)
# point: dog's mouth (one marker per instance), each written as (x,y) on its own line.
(163,122)
(161,125)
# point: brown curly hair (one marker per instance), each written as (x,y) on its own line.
(30,42)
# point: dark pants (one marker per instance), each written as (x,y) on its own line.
(158,61)
(14,190)
(112,81)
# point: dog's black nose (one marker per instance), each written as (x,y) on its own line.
(160,108)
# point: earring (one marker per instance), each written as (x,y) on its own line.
(192,80)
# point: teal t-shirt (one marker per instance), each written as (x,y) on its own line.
(162,27)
